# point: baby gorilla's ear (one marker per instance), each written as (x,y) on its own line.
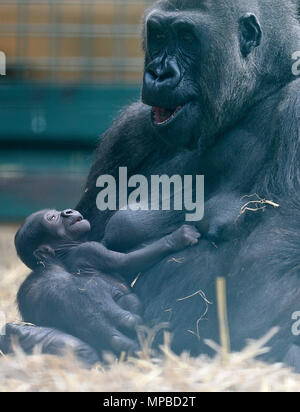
(43,253)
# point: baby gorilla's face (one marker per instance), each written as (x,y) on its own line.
(66,225)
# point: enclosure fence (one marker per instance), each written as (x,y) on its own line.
(93,41)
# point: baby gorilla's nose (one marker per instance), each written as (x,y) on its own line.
(67,212)
(71,217)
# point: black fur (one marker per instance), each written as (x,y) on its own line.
(50,341)
(240,128)
(54,245)
(248,143)
(51,297)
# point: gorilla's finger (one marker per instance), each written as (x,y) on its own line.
(194,231)
(120,343)
(4,344)
(25,334)
(15,329)
(131,303)
(194,242)
(51,341)
(123,318)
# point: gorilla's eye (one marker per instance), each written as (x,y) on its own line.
(186,36)
(159,36)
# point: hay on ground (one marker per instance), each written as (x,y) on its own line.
(19,372)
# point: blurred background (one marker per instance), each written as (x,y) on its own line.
(71,65)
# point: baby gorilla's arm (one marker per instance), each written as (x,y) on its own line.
(142,259)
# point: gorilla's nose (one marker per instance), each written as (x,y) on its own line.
(67,212)
(164,74)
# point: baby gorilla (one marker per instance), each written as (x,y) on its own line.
(50,237)
(53,244)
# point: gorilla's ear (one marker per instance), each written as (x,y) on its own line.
(43,253)
(250,33)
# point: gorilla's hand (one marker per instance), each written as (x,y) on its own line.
(50,341)
(185,236)
(119,312)
(100,310)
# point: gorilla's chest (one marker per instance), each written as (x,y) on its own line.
(128,229)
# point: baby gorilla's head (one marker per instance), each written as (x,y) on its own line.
(46,230)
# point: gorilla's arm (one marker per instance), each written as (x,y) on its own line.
(127,143)
(126,264)
(88,308)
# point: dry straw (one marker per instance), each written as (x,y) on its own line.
(240,373)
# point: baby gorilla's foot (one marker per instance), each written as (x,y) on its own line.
(183,237)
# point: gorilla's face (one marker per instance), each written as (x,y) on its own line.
(172,60)
(195,62)
(65,225)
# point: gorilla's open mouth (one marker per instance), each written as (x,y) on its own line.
(161,116)
(77,220)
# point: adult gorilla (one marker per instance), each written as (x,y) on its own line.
(219,99)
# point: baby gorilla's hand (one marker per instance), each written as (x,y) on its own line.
(185,236)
